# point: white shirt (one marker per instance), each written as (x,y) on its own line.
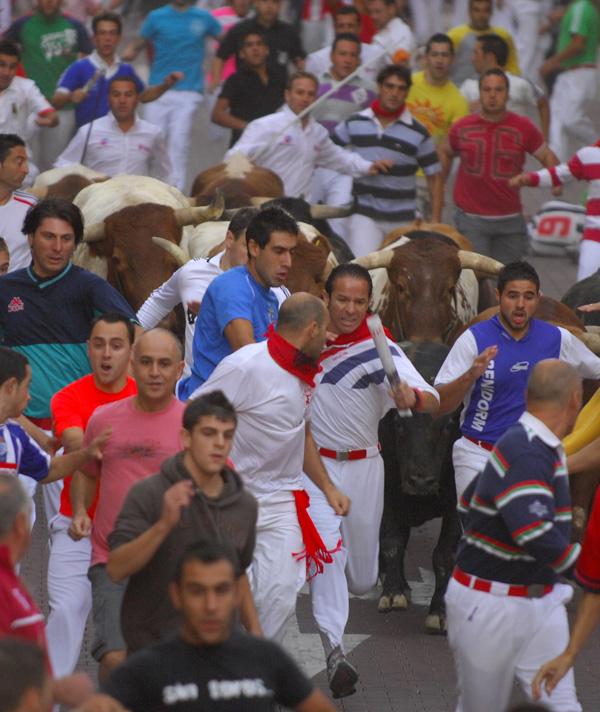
(394,36)
(319,62)
(294,153)
(272,407)
(523,95)
(20,104)
(188,284)
(141,151)
(351,390)
(12,214)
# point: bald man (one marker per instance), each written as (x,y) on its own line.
(270,384)
(145,431)
(505,603)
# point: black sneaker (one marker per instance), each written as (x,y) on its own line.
(341,674)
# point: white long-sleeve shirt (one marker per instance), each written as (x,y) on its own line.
(272,408)
(141,151)
(20,104)
(295,152)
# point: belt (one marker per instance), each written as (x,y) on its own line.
(497,588)
(482,443)
(350,454)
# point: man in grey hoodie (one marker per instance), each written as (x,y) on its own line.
(196,495)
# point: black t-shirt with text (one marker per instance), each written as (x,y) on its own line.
(244,674)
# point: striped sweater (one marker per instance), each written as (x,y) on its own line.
(518,510)
(584,165)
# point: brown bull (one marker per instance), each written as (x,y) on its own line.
(420,302)
(66,188)
(135,264)
(239,180)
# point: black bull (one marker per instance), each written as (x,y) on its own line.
(419,486)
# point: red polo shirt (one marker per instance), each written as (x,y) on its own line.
(19,615)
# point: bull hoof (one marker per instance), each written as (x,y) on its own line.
(399,602)
(385,604)
(435,624)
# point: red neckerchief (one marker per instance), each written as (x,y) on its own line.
(290,358)
(361,333)
(378,110)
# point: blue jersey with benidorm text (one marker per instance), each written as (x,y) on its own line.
(498,396)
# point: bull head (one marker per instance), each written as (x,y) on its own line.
(183,217)
(468,260)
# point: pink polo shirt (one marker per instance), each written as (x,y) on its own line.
(139,443)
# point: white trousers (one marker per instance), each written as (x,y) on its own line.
(174,113)
(365,234)
(527,16)
(571,125)
(356,565)
(495,638)
(426,15)
(469,460)
(275,575)
(69,596)
(332,188)
(589,258)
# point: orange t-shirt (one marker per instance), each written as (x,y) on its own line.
(72,407)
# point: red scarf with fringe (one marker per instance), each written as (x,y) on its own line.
(378,110)
(291,359)
(315,552)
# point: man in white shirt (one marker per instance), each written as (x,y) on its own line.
(524,97)
(270,384)
(347,21)
(293,148)
(393,35)
(189,283)
(14,203)
(120,142)
(351,390)
(23,108)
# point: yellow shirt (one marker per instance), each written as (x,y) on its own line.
(463,38)
(436,107)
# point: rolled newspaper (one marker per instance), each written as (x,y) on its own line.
(385,355)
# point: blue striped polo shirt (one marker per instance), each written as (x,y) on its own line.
(389,196)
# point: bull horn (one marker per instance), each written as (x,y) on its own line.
(193,216)
(375,260)
(94,233)
(39,191)
(327,212)
(592,341)
(229,213)
(479,263)
(180,256)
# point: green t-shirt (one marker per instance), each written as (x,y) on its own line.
(581,18)
(49,46)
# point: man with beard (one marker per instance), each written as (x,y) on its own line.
(270,385)
(488,367)
(352,390)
